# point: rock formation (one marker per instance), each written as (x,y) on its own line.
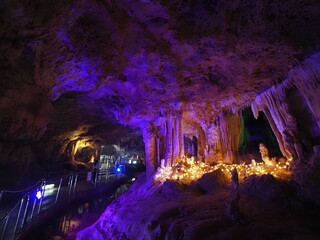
(75,75)
(233,211)
(193,65)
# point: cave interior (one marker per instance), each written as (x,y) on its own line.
(220,100)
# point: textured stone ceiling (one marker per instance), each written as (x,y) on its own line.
(152,58)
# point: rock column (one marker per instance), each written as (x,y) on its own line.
(229,125)
(149,138)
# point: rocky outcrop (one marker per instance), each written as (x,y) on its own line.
(281,105)
(266,188)
(212,181)
(175,211)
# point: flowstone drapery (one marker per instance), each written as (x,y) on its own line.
(304,80)
(168,140)
(273,103)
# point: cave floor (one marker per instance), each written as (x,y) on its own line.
(175,211)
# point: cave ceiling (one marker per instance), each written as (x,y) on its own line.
(144,58)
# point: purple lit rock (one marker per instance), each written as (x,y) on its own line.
(174,69)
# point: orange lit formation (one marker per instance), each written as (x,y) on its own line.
(188,170)
(81,144)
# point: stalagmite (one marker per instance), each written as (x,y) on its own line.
(265,154)
(233,212)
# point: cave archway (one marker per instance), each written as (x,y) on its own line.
(256,131)
(85,155)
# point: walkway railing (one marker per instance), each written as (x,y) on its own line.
(44,194)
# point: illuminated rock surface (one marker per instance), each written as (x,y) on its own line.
(174,75)
(136,61)
(176,211)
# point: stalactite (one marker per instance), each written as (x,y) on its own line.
(226,131)
(158,151)
(169,142)
(161,124)
(181,151)
(212,137)
(230,127)
(277,133)
(255,110)
(149,138)
(177,144)
(306,78)
(201,142)
(182,132)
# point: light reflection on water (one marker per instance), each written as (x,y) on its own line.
(66,225)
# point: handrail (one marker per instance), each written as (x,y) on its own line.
(31,203)
(10,211)
(23,190)
(38,182)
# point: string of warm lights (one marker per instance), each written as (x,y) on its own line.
(189,169)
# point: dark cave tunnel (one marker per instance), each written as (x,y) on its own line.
(256,131)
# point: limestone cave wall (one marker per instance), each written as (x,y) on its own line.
(175,69)
(218,135)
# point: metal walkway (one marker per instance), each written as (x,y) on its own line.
(45,194)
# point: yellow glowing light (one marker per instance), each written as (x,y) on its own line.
(188,169)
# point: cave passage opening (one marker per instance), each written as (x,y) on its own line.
(190,146)
(256,131)
(85,155)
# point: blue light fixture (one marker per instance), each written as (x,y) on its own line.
(39,194)
(118,169)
